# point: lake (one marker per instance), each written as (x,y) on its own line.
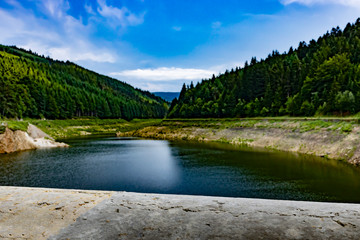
(155,166)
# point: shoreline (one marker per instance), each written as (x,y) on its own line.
(333,140)
(41,213)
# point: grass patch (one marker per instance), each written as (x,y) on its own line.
(312,125)
(17,125)
(241,140)
(80,127)
(2,129)
(72,128)
(346,127)
(222,140)
(294,124)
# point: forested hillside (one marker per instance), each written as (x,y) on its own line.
(321,77)
(36,87)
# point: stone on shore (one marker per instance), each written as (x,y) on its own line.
(34,138)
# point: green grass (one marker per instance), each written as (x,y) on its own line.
(295,124)
(222,140)
(314,125)
(72,128)
(17,125)
(2,129)
(76,128)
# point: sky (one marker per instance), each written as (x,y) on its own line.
(158,45)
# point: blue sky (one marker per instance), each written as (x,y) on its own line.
(157,45)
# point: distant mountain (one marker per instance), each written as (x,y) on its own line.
(321,77)
(168,96)
(36,87)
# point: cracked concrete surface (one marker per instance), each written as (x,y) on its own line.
(37,213)
(153,216)
(34,213)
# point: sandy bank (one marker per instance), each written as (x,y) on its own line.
(327,141)
(28,213)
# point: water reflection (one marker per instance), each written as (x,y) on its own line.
(182,168)
(135,164)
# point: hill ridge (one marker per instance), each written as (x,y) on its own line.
(36,86)
(321,77)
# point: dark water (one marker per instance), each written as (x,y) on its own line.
(179,168)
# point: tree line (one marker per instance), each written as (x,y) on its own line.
(321,77)
(37,87)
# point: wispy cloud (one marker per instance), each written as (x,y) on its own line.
(119,16)
(351,3)
(169,78)
(165,74)
(82,55)
(60,35)
(54,8)
(89,9)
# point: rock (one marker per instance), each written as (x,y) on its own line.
(47,143)
(13,141)
(35,132)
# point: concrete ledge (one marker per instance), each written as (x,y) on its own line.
(121,215)
(37,213)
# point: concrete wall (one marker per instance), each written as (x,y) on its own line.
(73,214)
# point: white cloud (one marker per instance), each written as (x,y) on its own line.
(89,9)
(54,8)
(119,16)
(165,74)
(161,87)
(169,79)
(80,55)
(350,3)
(59,36)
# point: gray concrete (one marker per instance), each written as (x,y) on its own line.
(37,213)
(151,216)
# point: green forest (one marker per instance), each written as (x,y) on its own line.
(37,87)
(321,77)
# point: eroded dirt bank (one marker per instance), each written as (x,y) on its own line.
(33,138)
(332,140)
(30,213)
